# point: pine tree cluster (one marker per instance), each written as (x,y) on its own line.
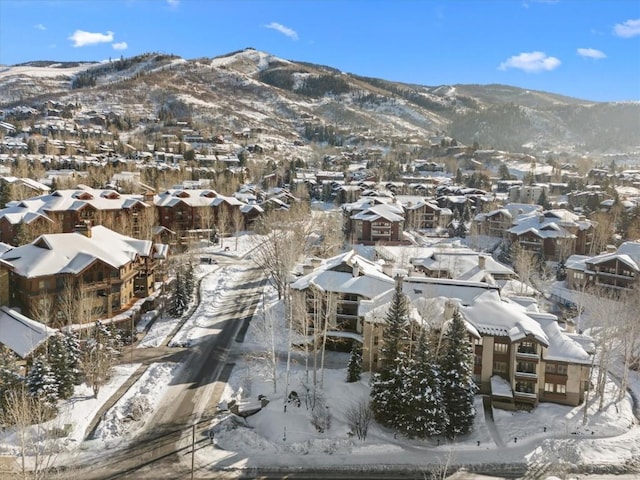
(183,290)
(416,392)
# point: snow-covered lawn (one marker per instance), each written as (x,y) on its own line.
(277,438)
(74,414)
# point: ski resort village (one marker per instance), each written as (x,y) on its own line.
(243,267)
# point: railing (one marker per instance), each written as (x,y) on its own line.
(532,375)
(528,356)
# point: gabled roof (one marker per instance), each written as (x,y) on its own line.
(390,212)
(628,253)
(336,274)
(21,334)
(493,316)
(73,252)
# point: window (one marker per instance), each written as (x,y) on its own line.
(375,340)
(477,359)
(477,341)
(550,368)
(499,367)
(527,347)
(561,369)
(500,347)
(526,367)
(525,387)
(561,389)
(548,387)
(375,359)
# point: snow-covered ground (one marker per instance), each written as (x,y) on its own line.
(277,438)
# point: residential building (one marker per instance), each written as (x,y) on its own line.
(521,356)
(374,220)
(341,283)
(184,210)
(62,210)
(616,270)
(100,270)
(553,234)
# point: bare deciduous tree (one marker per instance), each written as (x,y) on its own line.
(237,221)
(358,416)
(27,414)
(223,221)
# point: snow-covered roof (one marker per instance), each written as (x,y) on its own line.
(21,334)
(464,290)
(628,253)
(464,264)
(71,199)
(390,212)
(500,387)
(495,317)
(347,273)
(562,347)
(73,252)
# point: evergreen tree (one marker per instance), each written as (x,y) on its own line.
(189,281)
(354,368)
(64,358)
(458,388)
(388,382)
(6,193)
(10,378)
(543,200)
(423,414)
(180,300)
(42,382)
(503,171)
(461,229)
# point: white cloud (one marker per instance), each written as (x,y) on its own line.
(173,3)
(531,62)
(289,32)
(120,46)
(39,27)
(628,29)
(591,53)
(82,39)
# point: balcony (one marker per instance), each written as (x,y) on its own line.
(530,396)
(527,375)
(526,355)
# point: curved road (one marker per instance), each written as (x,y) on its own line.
(163,449)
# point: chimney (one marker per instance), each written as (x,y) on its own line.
(449,308)
(540,218)
(356,269)
(387,269)
(83,228)
(481,262)
(307,269)
(611,249)
(315,262)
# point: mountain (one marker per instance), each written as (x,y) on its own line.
(250,88)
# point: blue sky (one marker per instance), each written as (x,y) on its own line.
(582,48)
